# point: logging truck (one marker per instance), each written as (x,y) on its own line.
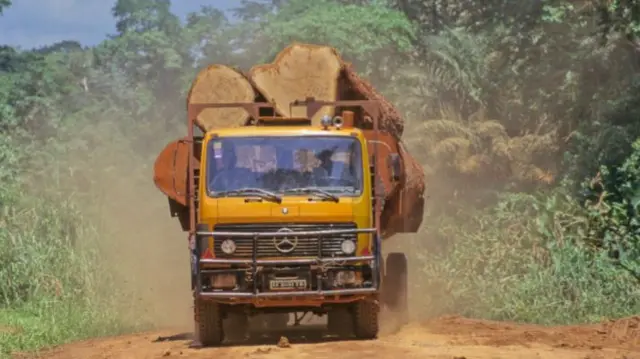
(286,209)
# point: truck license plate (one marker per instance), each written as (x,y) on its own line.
(279,284)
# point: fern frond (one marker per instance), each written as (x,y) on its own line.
(451,147)
(500,148)
(489,129)
(444,128)
(524,147)
(526,172)
(473,165)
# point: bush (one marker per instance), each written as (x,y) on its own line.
(54,287)
(614,212)
(526,259)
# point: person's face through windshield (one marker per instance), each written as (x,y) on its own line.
(228,156)
(325,160)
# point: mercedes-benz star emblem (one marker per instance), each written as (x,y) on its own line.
(285,245)
(285,210)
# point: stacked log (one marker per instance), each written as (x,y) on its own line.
(299,71)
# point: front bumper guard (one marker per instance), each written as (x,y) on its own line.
(254,263)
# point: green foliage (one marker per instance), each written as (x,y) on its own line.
(54,289)
(524,259)
(367,35)
(326,22)
(144,15)
(620,16)
(211,34)
(615,212)
(4,4)
(53,282)
(606,141)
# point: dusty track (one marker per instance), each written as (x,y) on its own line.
(449,337)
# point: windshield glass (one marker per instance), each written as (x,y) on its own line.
(285,165)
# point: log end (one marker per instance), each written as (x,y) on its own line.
(300,71)
(216,84)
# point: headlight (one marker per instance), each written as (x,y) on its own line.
(228,246)
(348,246)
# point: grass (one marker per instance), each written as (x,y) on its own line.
(522,260)
(46,322)
(53,287)
(56,284)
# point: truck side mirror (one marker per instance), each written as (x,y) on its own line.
(395,167)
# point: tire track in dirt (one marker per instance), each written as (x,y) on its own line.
(447,337)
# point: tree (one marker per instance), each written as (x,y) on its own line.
(212,37)
(9,59)
(620,16)
(374,37)
(144,15)
(150,49)
(4,4)
(61,46)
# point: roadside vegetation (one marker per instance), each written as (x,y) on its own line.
(526,119)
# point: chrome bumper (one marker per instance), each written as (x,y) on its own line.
(252,264)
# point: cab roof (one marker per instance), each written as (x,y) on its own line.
(283,131)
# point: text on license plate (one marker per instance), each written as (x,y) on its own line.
(276,284)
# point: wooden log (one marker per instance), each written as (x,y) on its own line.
(307,70)
(300,71)
(216,84)
(354,87)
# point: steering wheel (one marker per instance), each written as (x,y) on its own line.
(218,178)
(289,182)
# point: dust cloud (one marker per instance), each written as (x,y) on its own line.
(141,249)
(148,253)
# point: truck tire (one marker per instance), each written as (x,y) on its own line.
(209,319)
(396,286)
(365,319)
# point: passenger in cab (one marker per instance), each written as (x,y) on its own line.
(230,176)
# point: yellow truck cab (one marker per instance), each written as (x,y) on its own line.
(285,219)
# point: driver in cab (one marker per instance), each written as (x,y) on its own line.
(332,173)
(230,176)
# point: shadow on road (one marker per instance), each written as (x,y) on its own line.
(174,338)
(304,334)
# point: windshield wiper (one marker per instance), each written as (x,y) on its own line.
(262,193)
(316,191)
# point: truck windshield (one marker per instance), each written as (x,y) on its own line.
(285,165)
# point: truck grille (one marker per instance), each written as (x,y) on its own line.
(306,246)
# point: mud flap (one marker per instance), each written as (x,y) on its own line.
(395,291)
(194,261)
(379,261)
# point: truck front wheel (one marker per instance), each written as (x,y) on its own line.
(209,322)
(365,319)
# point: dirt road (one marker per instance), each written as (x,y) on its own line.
(449,337)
